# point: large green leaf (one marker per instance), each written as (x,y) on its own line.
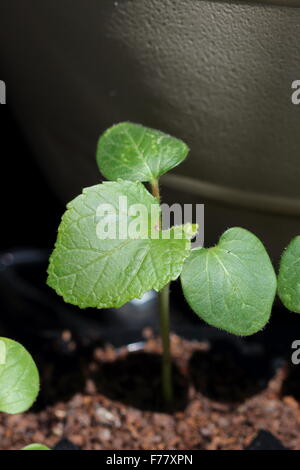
(137,153)
(90,271)
(231,285)
(19,379)
(289,276)
(36,447)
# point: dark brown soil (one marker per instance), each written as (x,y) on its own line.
(111,400)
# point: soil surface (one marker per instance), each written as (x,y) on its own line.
(110,399)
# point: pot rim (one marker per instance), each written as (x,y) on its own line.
(279,205)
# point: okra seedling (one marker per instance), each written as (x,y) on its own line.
(289,276)
(106,255)
(19,381)
(36,447)
(19,378)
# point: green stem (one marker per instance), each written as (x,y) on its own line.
(164,311)
(164,314)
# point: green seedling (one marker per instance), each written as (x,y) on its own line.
(36,447)
(289,276)
(19,380)
(231,285)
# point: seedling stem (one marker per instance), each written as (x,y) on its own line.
(164,313)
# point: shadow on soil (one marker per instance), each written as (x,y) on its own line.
(135,381)
(227,374)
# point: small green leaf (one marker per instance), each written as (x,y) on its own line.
(19,379)
(289,276)
(90,271)
(137,153)
(232,285)
(36,447)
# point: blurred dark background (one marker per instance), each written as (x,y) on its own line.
(30,210)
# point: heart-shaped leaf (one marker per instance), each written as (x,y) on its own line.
(137,153)
(231,285)
(289,276)
(19,379)
(89,270)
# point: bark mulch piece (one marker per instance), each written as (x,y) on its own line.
(111,400)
